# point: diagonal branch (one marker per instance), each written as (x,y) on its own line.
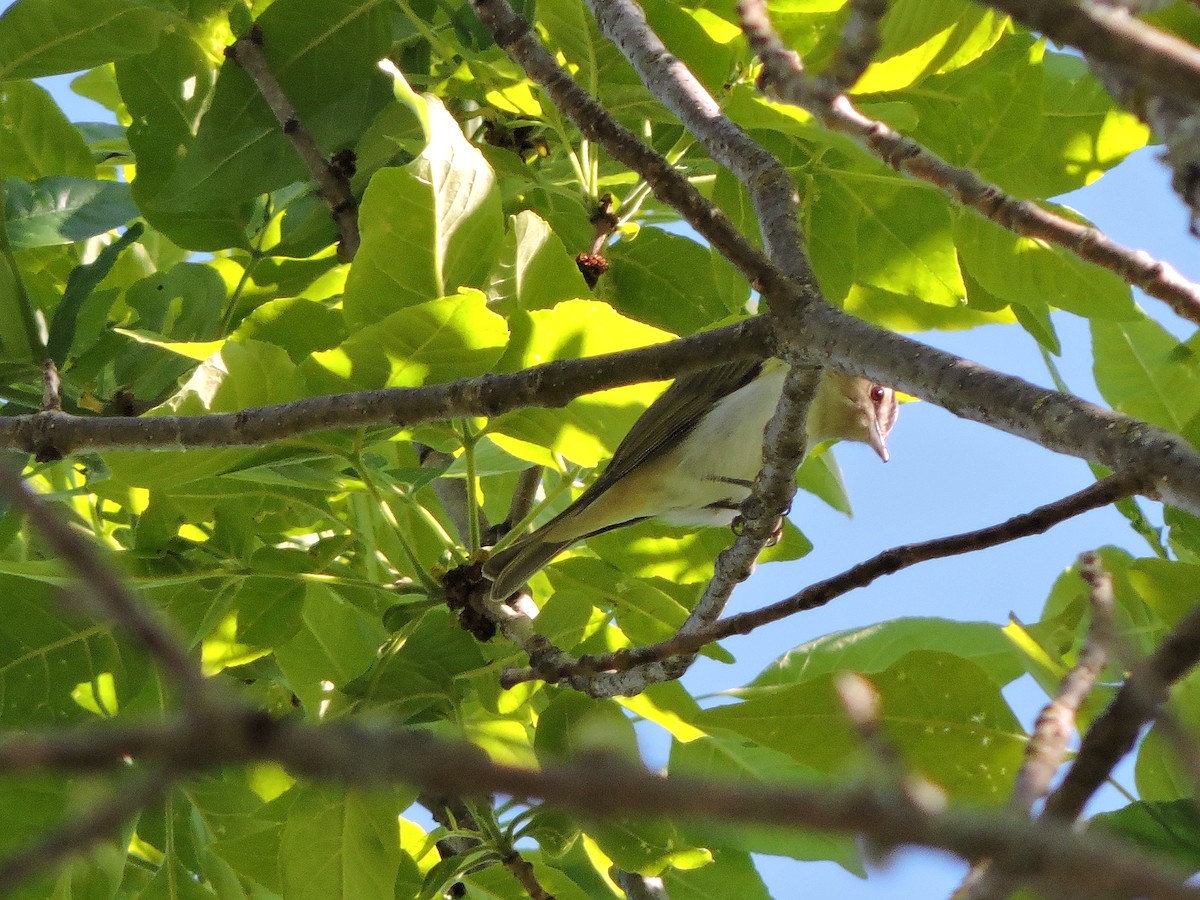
(1109,34)
(247,52)
(1047,747)
(784,79)
(1115,731)
(1054,420)
(1036,521)
(110,592)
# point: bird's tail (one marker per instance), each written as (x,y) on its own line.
(513,566)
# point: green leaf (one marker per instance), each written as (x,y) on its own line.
(730,874)
(167,92)
(49,37)
(325,59)
(573,724)
(82,281)
(898,234)
(921,37)
(493,882)
(1036,123)
(647,610)
(534,270)
(426,343)
(1167,587)
(297,325)
(1066,606)
(589,428)
(657,279)
(595,62)
(36,139)
(340,843)
(1144,372)
(1083,133)
(710,52)
(46,652)
(335,644)
(414,678)
(1032,273)
(728,758)
(239,376)
(944,715)
(907,313)
(647,847)
(427,229)
(268,609)
(682,554)
(63,210)
(1170,829)
(878,647)
(821,476)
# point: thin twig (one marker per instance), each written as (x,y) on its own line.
(1047,747)
(334,186)
(1036,521)
(860,42)
(1115,731)
(1054,420)
(110,592)
(523,496)
(784,79)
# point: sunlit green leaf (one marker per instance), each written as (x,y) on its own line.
(589,428)
(1145,372)
(47,37)
(340,843)
(61,210)
(427,229)
(944,714)
(426,343)
(36,140)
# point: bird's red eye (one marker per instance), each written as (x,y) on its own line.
(878,392)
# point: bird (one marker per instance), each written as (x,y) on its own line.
(692,456)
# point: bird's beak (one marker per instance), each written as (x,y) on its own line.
(877,441)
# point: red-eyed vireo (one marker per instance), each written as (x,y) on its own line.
(692,456)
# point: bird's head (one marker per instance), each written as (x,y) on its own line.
(848,408)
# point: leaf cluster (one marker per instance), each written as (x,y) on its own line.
(175,259)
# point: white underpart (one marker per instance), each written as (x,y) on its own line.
(726,444)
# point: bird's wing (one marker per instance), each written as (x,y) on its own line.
(670,418)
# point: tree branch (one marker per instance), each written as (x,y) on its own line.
(1054,420)
(1115,731)
(1050,855)
(334,186)
(1047,747)
(859,44)
(551,384)
(783,79)
(1111,35)
(888,562)
(112,596)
